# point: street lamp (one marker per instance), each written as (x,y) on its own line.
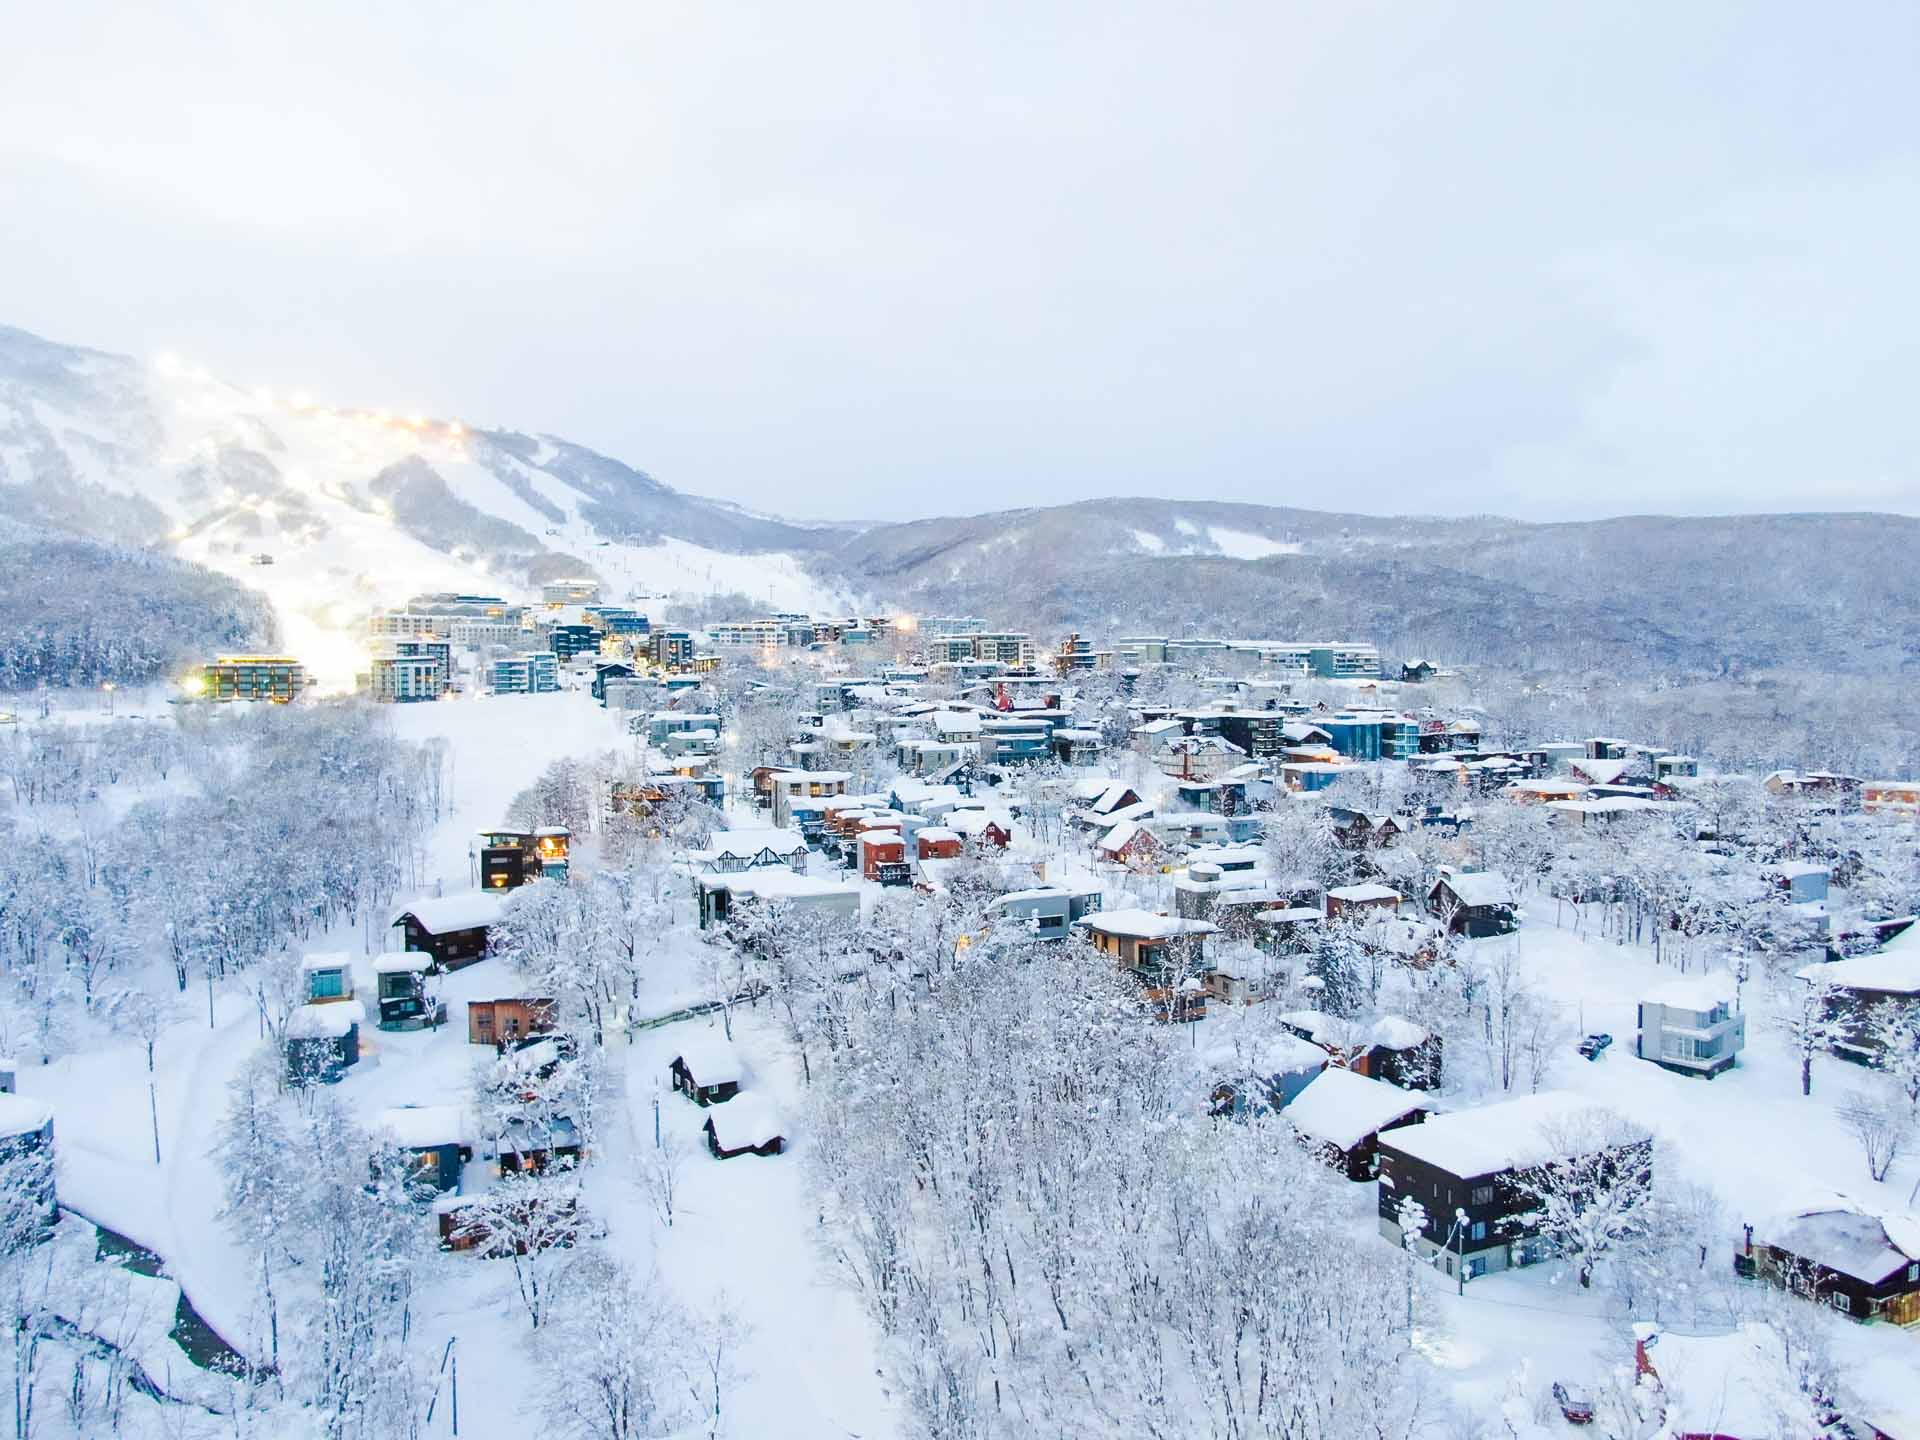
(108,687)
(1460,1229)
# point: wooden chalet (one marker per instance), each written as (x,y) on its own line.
(323,1042)
(1354,901)
(452,929)
(1471,1161)
(1864,1265)
(708,1070)
(747,1126)
(504,1023)
(1474,903)
(1340,1116)
(1889,976)
(1166,954)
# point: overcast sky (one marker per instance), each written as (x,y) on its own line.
(895,260)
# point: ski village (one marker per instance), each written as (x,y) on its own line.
(883,1026)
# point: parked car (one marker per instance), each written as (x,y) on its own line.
(1573,1402)
(1594,1044)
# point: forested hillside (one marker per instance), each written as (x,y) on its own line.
(79,612)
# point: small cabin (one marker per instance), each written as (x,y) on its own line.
(708,1070)
(329,977)
(438,1138)
(525,1143)
(551,845)
(506,859)
(323,1042)
(503,1023)
(452,929)
(401,980)
(1340,1115)
(748,1126)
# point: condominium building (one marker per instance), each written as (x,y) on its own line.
(531,673)
(278,678)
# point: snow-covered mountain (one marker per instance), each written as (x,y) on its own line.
(361,508)
(357,508)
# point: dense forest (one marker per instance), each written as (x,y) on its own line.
(79,612)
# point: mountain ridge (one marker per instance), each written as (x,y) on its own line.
(359,508)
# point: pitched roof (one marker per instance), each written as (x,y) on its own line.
(448,913)
(1343,1108)
(1492,1138)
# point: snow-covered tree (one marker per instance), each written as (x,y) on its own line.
(1592,1196)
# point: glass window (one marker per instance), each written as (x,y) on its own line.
(1479,1229)
(1483,1195)
(325,984)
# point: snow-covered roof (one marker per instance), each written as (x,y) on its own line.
(744,1121)
(1478,887)
(403,962)
(1699,993)
(22,1115)
(1342,1108)
(1894,969)
(778,883)
(1395,1032)
(1868,1247)
(1719,1384)
(975,822)
(745,844)
(1492,1138)
(1611,805)
(1118,838)
(711,1058)
(447,913)
(1363,894)
(1145,925)
(327,960)
(1602,772)
(421,1127)
(1297,915)
(331,1020)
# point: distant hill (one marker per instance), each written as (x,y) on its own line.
(357,508)
(1837,593)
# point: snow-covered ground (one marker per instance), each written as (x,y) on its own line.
(743,1236)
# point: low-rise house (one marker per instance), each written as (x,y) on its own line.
(728,852)
(746,1126)
(1690,1026)
(401,982)
(1863,984)
(1358,901)
(328,976)
(1165,953)
(937,842)
(1341,1115)
(1474,903)
(721,895)
(323,1042)
(882,856)
(1268,1079)
(1049,911)
(708,1070)
(991,829)
(1891,797)
(505,1023)
(439,1138)
(1130,844)
(1733,1386)
(1472,1161)
(1865,1265)
(787,786)
(452,929)
(1802,884)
